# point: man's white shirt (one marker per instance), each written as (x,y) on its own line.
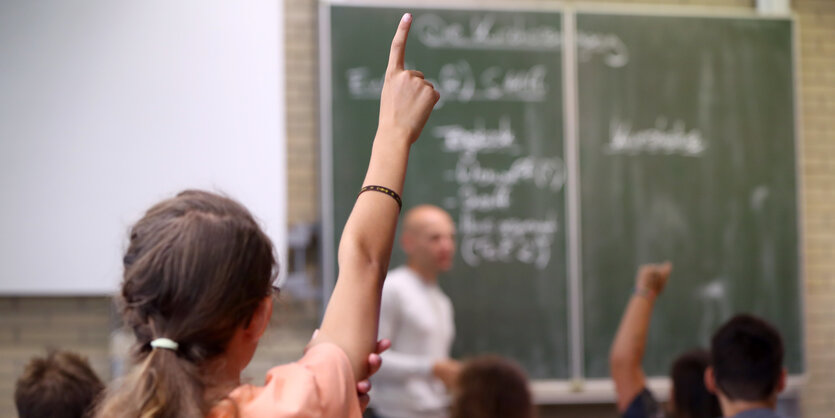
(418,319)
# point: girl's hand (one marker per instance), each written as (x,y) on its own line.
(374,364)
(407,98)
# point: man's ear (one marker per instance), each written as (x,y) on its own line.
(781,384)
(260,319)
(710,380)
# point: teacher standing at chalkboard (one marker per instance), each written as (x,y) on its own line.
(416,316)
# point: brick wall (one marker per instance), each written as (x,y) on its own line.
(302,58)
(816,19)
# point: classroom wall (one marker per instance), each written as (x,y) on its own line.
(27,325)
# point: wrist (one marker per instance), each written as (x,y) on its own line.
(645,292)
(392,134)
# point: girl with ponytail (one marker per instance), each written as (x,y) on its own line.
(197,291)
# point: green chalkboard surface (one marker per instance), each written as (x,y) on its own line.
(491,154)
(687,154)
(685,151)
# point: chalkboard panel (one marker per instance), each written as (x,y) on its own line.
(687,154)
(492,155)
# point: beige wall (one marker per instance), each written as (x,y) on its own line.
(816,19)
(28,325)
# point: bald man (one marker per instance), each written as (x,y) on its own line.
(416,316)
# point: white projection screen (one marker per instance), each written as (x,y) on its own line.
(109,106)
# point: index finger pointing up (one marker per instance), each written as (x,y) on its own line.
(398,44)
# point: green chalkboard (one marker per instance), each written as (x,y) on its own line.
(688,154)
(491,154)
(685,151)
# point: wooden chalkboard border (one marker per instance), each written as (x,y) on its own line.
(578,390)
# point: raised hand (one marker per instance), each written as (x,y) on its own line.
(407,98)
(653,277)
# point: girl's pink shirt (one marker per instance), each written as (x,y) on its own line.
(320,384)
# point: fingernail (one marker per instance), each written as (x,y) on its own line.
(406,17)
(363,385)
(315,333)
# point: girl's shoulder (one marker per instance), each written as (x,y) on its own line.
(320,384)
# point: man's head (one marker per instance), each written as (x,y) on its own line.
(428,239)
(60,385)
(746,361)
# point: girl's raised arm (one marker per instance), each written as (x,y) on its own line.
(352,315)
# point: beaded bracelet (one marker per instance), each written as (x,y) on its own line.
(385,190)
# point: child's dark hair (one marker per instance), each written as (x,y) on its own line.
(691,398)
(196,269)
(747,358)
(491,386)
(60,385)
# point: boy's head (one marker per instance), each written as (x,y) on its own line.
(60,385)
(746,360)
(490,386)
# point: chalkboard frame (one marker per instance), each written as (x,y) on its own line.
(578,389)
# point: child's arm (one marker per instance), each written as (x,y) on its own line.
(352,315)
(627,351)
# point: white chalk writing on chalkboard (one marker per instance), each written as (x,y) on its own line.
(361,85)
(663,138)
(609,46)
(507,240)
(715,306)
(544,172)
(483,32)
(472,200)
(489,231)
(458,82)
(456,138)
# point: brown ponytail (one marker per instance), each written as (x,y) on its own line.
(196,269)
